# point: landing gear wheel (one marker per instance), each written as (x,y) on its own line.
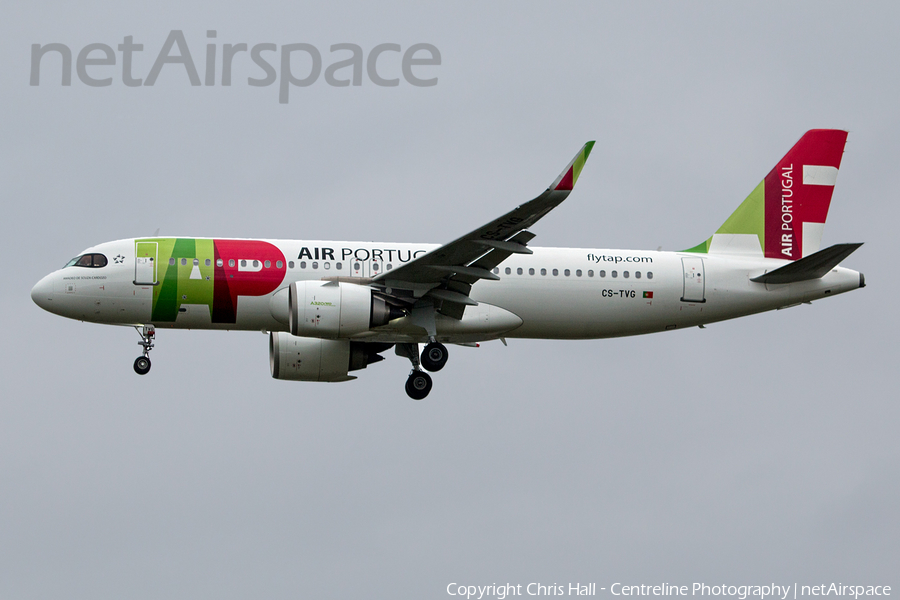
(418,385)
(142,365)
(147,333)
(434,357)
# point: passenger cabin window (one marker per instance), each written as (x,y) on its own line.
(207,262)
(615,273)
(302,264)
(231,262)
(531,271)
(267,264)
(279,264)
(340,266)
(649,274)
(566,272)
(183,262)
(602,273)
(637,274)
(519,271)
(508,271)
(577,272)
(555,272)
(94,261)
(171,262)
(590,272)
(291,264)
(543,271)
(625,274)
(220,262)
(196,262)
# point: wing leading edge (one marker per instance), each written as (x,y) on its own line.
(446,274)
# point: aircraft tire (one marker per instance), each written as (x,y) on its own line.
(418,385)
(434,357)
(142,365)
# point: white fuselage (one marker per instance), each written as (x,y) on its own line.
(557,293)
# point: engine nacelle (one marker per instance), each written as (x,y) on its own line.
(311,359)
(333,310)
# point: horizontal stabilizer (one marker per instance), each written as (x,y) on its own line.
(813,266)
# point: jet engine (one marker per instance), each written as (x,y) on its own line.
(310,359)
(334,309)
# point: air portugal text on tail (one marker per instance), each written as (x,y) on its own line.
(334,307)
(784,217)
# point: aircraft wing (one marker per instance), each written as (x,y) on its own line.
(446,274)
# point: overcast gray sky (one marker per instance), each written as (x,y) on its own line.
(755,451)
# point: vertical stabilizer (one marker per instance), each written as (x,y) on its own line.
(784,216)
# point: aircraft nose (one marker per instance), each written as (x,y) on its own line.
(42,293)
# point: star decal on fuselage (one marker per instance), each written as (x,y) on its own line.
(118,259)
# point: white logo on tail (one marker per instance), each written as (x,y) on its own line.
(819,175)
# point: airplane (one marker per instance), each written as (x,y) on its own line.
(332,307)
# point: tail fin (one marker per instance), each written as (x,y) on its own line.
(784,217)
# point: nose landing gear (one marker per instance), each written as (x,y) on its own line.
(142,363)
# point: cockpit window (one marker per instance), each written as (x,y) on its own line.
(88,260)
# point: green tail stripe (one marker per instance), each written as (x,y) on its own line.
(749,218)
(702,247)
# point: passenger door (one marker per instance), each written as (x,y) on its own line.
(694,280)
(145,255)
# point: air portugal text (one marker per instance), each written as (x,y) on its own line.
(388,254)
(787,216)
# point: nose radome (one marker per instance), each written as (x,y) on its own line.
(42,293)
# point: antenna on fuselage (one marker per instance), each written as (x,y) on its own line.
(156,233)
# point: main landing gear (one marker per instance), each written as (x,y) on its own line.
(142,362)
(433,358)
(418,385)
